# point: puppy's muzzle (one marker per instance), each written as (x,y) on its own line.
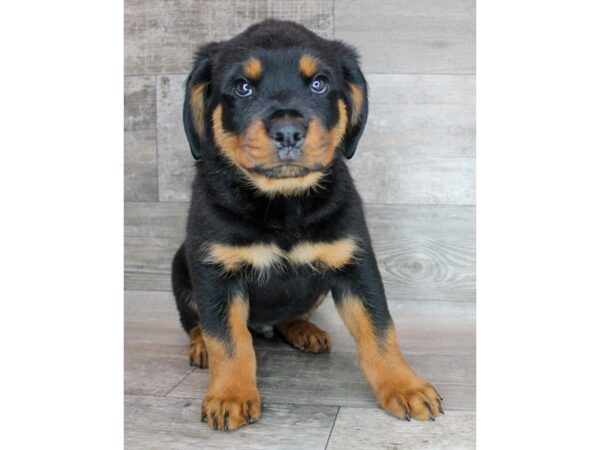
(287,131)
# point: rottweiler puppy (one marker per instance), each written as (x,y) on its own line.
(275,221)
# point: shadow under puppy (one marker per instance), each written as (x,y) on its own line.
(275,221)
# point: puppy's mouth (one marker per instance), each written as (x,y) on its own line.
(284,171)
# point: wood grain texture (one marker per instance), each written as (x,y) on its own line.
(438,338)
(420,115)
(153,232)
(141,170)
(140,102)
(404,36)
(301,392)
(154,363)
(419,141)
(418,146)
(161,37)
(359,428)
(414,180)
(335,379)
(424,252)
(174,423)
(176,165)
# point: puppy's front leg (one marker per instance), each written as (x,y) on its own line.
(232,399)
(360,299)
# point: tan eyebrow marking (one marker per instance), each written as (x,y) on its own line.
(253,68)
(307,65)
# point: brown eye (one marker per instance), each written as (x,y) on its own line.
(318,85)
(243,89)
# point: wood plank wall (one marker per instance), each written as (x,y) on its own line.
(415,167)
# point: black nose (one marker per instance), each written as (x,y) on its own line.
(288,136)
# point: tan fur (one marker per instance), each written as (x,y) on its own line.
(253,68)
(233,258)
(320,144)
(334,255)
(397,387)
(262,257)
(254,148)
(337,133)
(307,65)
(357,97)
(286,186)
(304,335)
(197,350)
(197,106)
(232,390)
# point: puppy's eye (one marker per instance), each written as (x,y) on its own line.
(243,89)
(318,85)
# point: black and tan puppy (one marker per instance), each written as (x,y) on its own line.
(275,221)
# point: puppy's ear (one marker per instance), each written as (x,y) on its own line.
(356,98)
(197,93)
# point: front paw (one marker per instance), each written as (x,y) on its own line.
(231,410)
(407,397)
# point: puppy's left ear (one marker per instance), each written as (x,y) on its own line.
(356,98)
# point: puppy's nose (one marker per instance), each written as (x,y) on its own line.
(288,136)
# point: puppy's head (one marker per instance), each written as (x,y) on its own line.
(278,102)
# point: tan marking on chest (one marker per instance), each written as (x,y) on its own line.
(258,256)
(262,257)
(334,255)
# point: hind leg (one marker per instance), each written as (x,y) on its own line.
(197,350)
(305,335)
(188,312)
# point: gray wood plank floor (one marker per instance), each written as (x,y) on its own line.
(310,401)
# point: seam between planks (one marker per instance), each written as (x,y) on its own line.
(332,427)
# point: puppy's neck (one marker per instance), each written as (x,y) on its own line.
(227,188)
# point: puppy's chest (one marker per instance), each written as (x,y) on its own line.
(265,257)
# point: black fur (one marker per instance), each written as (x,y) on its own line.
(224,209)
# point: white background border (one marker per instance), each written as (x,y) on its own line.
(61,181)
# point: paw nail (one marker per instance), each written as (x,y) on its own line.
(428,406)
